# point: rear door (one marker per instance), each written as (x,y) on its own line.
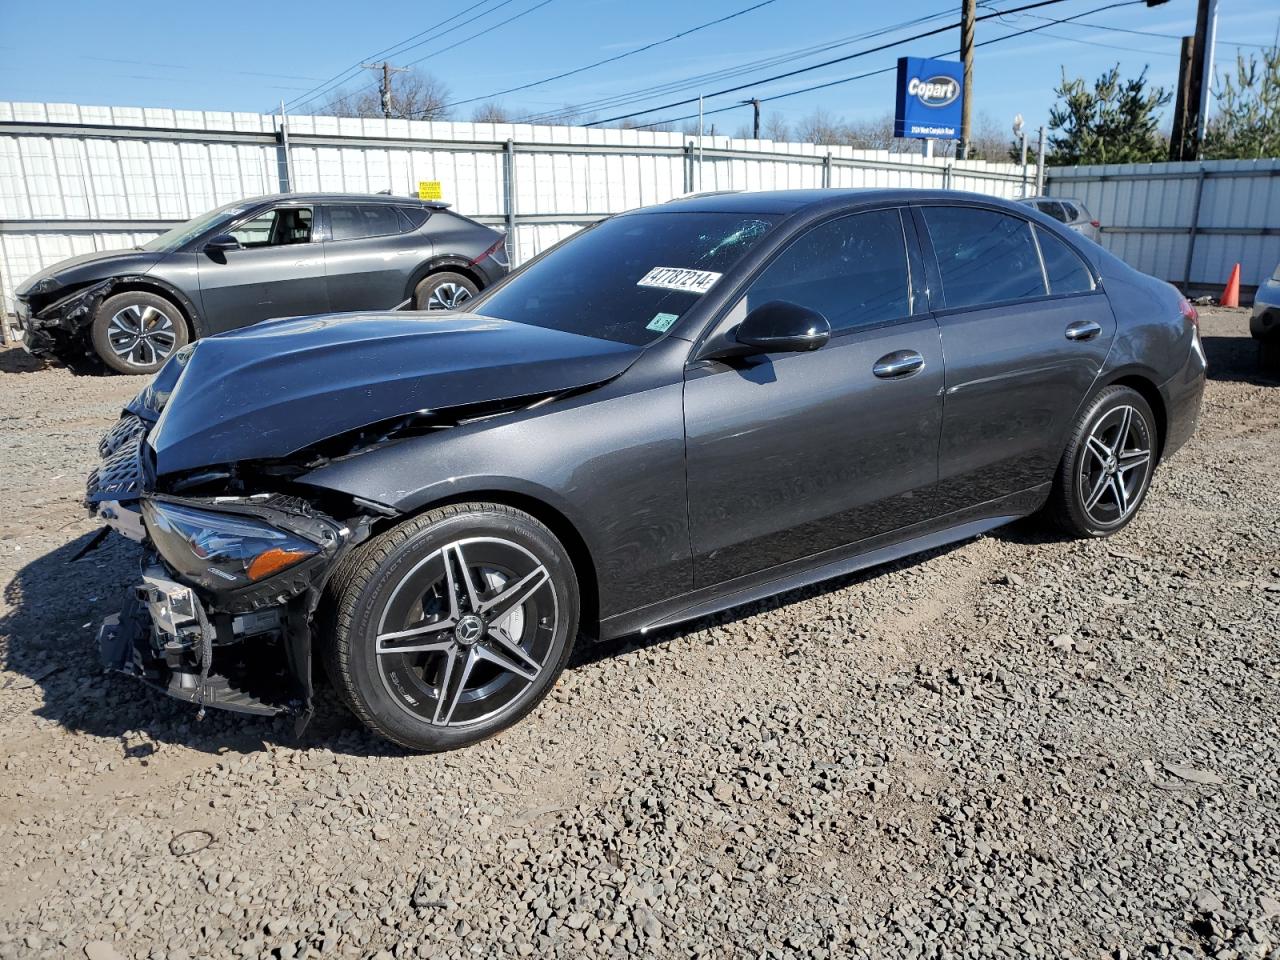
(1025,330)
(370,254)
(277,272)
(793,454)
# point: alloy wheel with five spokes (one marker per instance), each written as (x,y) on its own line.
(466,630)
(1107,465)
(1116,465)
(452,625)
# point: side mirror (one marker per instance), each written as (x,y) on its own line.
(780,326)
(222,243)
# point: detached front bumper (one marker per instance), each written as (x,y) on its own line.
(56,330)
(243,646)
(166,638)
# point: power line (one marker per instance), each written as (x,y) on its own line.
(621,56)
(790,56)
(458,43)
(400,46)
(1150,33)
(825,63)
(883,70)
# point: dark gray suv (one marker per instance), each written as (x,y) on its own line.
(276,256)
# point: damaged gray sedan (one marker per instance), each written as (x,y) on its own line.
(677,410)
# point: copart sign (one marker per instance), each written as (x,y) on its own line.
(929,99)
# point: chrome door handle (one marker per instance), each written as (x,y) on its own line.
(1083,330)
(900,363)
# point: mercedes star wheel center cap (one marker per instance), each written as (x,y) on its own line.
(469,629)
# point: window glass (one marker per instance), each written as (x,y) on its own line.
(1054,209)
(853,271)
(631,277)
(415,217)
(186,232)
(984,256)
(351,221)
(1067,273)
(1070,212)
(276,228)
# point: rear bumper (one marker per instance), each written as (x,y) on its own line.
(1182,394)
(1264,323)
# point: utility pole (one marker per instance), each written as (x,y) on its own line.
(755,125)
(1196,83)
(384,88)
(968,13)
(1180,137)
(1206,72)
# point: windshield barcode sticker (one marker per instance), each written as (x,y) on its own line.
(679,278)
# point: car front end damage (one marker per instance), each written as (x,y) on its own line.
(52,320)
(221,615)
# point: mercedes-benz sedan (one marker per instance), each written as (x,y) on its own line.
(677,410)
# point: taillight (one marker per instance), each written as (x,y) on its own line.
(497,245)
(1188,312)
(1095,224)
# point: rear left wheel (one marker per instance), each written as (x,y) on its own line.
(443,291)
(1107,467)
(452,626)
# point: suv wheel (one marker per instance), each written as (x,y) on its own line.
(136,332)
(452,626)
(1107,467)
(443,291)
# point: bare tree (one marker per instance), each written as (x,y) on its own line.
(990,142)
(821,128)
(775,127)
(491,112)
(874,134)
(415,95)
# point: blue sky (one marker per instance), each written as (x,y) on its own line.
(236,55)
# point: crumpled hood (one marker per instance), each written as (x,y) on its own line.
(269,390)
(99,265)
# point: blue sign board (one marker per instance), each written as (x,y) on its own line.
(929,99)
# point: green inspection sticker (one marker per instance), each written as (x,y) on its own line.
(662,322)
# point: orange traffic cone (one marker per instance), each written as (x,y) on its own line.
(1231,293)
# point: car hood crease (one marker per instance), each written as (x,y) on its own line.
(273,389)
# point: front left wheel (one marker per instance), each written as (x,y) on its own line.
(452,626)
(137,331)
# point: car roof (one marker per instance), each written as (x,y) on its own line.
(785,202)
(346,198)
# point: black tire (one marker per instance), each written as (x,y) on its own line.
(443,291)
(1269,355)
(1116,483)
(136,332)
(398,583)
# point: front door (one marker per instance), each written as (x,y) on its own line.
(1024,332)
(277,272)
(793,454)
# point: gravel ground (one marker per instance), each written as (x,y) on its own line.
(1013,747)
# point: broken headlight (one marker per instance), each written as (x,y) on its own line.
(221,551)
(44,285)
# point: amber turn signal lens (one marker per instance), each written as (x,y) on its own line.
(273,561)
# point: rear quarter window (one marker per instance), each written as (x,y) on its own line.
(1063,268)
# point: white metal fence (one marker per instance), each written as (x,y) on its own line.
(74,179)
(1189,223)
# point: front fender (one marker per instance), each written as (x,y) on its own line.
(612,464)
